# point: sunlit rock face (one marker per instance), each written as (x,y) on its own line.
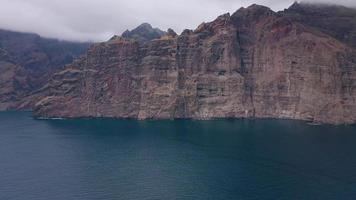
(254,63)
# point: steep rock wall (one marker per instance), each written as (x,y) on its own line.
(253,64)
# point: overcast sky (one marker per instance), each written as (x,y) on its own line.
(98,20)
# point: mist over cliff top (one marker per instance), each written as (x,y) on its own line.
(98,20)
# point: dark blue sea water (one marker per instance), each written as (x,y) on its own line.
(200,160)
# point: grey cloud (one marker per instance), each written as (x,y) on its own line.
(98,20)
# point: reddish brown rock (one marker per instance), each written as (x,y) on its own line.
(27,62)
(253,64)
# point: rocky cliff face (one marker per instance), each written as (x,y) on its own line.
(253,64)
(27,62)
(336,21)
(8,72)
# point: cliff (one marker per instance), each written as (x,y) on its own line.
(255,63)
(27,62)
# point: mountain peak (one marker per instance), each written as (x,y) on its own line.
(144,33)
(145,26)
(252,13)
(257,7)
(171,32)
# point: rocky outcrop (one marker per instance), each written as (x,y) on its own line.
(143,33)
(27,62)
(253,64)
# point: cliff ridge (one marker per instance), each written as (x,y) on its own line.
(255,63)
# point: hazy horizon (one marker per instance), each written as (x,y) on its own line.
(80,20)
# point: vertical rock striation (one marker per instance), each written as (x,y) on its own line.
(253,64)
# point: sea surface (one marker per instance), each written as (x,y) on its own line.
(125,159)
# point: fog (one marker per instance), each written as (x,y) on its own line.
(98,20)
